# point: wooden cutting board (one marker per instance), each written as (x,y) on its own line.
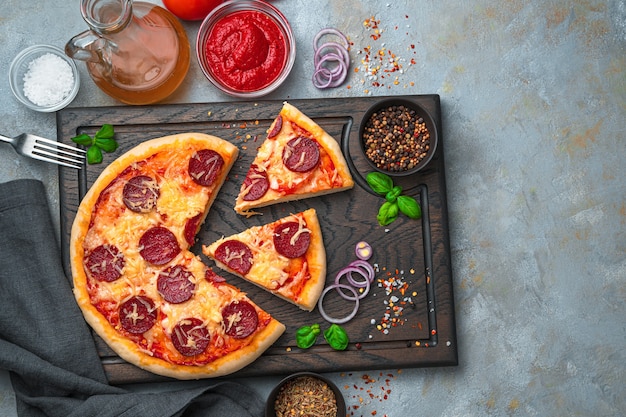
(414,254)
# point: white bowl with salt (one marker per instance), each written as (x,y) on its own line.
(43,78)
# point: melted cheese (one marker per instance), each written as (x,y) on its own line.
(281,179)
(177,205)
(269,268)
(112,222)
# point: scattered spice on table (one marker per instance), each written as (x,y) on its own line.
(306,396)
(48,80)
(396,287)
(371,390)
(378,64)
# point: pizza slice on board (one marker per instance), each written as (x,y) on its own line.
(286,257)
(297,160)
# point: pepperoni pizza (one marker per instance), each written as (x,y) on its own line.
(297,160)
(285,257)
(136,281)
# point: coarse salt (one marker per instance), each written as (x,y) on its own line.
(48,81)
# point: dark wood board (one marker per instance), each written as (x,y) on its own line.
(417,252)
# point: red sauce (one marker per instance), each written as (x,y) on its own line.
(246,50)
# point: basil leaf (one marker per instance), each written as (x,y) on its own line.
(409,207)
(107,145)
(307,335)
(379,182)
(105,132)
(387,213)
(83,139)
(336,337)
(94,155)
(393,194)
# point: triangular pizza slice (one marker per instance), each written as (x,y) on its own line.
(285,257)
(297,160)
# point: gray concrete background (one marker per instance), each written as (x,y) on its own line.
(534,103)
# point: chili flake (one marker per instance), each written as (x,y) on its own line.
(373,389)
(375,63)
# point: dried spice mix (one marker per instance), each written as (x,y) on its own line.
(306,396)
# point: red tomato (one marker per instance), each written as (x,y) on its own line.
(191,9)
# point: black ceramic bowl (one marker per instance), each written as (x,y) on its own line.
(270,410)
(414,151)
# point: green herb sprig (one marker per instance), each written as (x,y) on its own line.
(335,335)
(102,141)
(307,335)
(395,201)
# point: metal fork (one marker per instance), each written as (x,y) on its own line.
(47,150)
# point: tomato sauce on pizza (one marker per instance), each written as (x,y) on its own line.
(297,160)
(141,289)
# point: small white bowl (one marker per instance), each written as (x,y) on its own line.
(20,66)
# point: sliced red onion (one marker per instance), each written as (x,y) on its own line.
(330,31)
(366,266)
(324,77)
(318,81)
(363,250)
(333,58)
(336,48)
(347,272)
(343,319)
(336,82)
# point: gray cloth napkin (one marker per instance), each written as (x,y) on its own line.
(46,345)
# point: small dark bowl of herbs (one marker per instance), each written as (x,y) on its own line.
(398,137)
(305,394)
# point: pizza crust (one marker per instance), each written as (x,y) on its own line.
(327,142)
(123,346)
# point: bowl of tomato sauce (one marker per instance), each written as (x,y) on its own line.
(246,48)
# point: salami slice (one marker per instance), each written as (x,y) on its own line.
(301,154)
(140,194)
(205,166)
(278,125)
(256,184)
(240,319)
(138,315)
(105,263)
(190,337)
(158,245)
(175,284)
(191,228)
(211,276)
(291,240)
(236,255)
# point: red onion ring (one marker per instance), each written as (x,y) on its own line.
(323,77)
(330,31)
(336,48)
(318,82)
(366,266)
(343,319)
(347,272)
(331,57)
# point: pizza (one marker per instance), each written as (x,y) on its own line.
(285,257)
(142,290)
(297,160)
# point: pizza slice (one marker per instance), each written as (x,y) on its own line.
(285,257)
(297,160)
